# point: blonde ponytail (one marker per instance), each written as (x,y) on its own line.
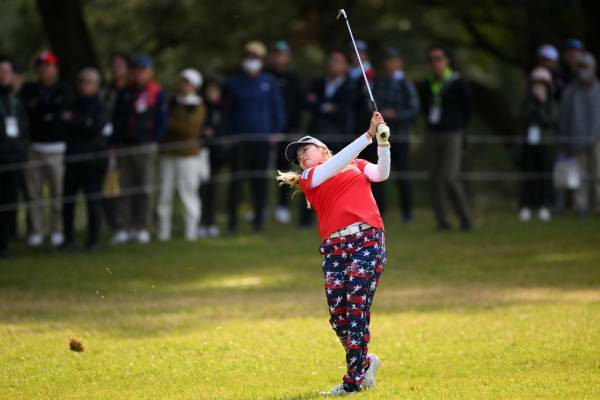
(292,179)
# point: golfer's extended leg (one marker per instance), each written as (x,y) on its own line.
(363,276)
(335,290)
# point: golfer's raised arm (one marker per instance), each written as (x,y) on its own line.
(347,154)
(336,163)
(381,171)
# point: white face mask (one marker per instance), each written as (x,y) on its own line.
(540,92)
(586,74)
(251,65)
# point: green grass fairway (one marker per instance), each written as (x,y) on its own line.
(510,311)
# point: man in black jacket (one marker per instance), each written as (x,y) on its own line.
(398,101)
(139,121)
(446,104)
(330,99)
(44,101)
(85,122)
(13,149)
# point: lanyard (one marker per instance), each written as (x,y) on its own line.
(437,85)
(12,101)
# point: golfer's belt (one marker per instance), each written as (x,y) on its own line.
(351,230)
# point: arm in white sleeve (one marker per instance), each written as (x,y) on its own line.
(381,171)
(340,160)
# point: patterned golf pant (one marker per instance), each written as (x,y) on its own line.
(352,266)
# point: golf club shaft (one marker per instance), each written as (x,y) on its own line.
(343,13)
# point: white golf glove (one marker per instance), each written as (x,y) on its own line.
(383,135)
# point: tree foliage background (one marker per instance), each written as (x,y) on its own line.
(494,41)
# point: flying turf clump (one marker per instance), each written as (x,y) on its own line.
(75,345)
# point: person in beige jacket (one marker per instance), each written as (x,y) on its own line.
(179,161)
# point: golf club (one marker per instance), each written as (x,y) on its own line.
(342,13)
(382,128)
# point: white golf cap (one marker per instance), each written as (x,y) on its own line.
(548,52)
(292,148)
(192,76)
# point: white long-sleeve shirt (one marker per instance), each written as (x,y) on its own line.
(374,172)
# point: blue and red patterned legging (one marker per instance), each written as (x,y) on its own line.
(352,266)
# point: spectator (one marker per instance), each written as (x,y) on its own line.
(580,120)
(571,55)
(45,101)
(291,91)
(330,99)
(179,162)
(13,150)
(446,105)
(212,140)
(399,104)
(85,119)
(256,109)
(355,70)
(139,121)
(538,118)
(548,58)
(119,79)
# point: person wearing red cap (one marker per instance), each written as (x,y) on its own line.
(45,101)
(338,188)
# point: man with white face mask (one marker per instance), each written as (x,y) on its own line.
(256,113)
(580,120)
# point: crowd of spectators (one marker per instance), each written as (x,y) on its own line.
(127,146)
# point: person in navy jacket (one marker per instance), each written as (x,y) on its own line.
(256,113)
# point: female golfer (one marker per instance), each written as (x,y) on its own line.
(338,188)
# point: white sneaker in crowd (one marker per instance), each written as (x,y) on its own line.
(163,237)
(545,214)
(57,239)
(120,237)
(35,240)
(525,214)
(202,232)
(282,215)
(338,391)
(143,236)
(369,381)
(191,235)
(213,231)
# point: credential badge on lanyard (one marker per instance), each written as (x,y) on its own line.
(534,134)
(11,125)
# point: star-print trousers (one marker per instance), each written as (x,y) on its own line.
(352,266)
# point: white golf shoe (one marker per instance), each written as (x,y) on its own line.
(544,214)
(525,214)
(120,237)
(57,239)
(282,215)
(35,240)
(338,391)
(143,236)
(369,381)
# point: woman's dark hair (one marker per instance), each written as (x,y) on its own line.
(342,52)
(6,59)
(123,56)
(444,49)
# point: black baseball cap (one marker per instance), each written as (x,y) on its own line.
(292,148)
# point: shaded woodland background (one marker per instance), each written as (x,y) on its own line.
(494,41)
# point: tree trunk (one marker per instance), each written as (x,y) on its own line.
(65,25)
